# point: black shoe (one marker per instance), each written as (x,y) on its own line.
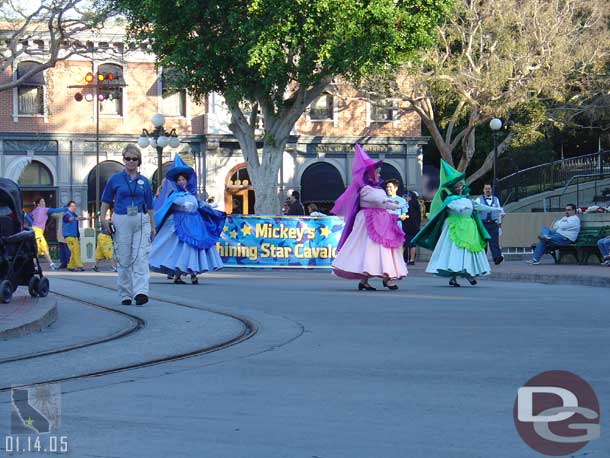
(141,299)
(453,282)
(194,280)
(411,263)
(126,302)
(498,260)
(170,276)
(392,287)
(179,281)
(365,286)
(471,280)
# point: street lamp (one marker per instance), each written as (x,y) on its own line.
(97,88)
(495,125)
(159,139)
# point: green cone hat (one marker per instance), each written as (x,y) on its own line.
(449,175)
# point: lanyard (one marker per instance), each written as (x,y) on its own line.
(132,193)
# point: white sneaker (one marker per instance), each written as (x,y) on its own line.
(533,262)
(53,266)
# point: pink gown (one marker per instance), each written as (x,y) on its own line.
(374,247)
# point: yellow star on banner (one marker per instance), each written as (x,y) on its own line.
(29,422)
(225,229)
(246,230)
(233,234)
(324,231)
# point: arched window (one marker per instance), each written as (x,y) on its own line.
(36,174)
(113,101)
(239,192)
(321,183)
(239,178)
(164,169)
(106,169)
(30,93)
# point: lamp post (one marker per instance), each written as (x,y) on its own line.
(495,125)
(97,88)
(159,138)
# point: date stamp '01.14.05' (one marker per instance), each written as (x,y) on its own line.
(35,420)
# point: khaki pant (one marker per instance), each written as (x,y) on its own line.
(131,248)
(74,246)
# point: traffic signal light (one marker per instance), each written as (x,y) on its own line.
(104,85)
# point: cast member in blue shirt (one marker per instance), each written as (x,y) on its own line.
(71,235)
(133,218)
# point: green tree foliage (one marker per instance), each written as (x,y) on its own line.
(278,56)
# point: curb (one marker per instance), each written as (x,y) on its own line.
(580,280)
(548,279)
(36,325)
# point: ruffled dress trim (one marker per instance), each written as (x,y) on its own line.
(381,227)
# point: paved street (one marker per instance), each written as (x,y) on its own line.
(426,371)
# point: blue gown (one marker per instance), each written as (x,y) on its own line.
(187,232)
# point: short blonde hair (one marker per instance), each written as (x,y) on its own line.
(131,148)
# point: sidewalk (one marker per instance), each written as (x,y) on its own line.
(546,272)
(25,315)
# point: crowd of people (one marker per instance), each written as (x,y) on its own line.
(175,233)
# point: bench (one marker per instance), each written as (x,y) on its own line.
(584,246)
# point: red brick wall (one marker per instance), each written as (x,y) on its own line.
(351,112)
(66,115)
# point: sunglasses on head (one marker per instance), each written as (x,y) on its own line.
(131,159)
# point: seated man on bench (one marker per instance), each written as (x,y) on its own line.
(604,249)
(564,232)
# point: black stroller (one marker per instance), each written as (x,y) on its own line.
(18,252)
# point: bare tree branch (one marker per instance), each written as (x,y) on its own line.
(56,24)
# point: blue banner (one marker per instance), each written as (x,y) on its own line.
(280,241)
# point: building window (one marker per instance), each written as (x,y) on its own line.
(112,104)
(36,174)
(321,109)
(382,111)
(30,93)
(173,99)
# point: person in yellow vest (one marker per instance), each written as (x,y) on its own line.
(72,235)
(103,249)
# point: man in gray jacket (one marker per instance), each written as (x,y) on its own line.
(564,232)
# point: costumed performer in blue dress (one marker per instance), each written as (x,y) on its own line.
(455,233)
(187,228)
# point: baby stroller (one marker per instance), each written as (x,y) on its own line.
(18,252)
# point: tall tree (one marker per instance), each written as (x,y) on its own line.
(276,57)
(493,56)
(54,23)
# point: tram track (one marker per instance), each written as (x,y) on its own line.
(249,330)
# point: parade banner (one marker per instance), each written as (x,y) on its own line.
(280,241)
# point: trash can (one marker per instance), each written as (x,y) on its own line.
(87,245)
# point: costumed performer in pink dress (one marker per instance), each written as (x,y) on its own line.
(371,242)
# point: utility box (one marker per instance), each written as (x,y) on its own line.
(87,245)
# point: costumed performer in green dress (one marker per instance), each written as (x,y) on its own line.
(455,233)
